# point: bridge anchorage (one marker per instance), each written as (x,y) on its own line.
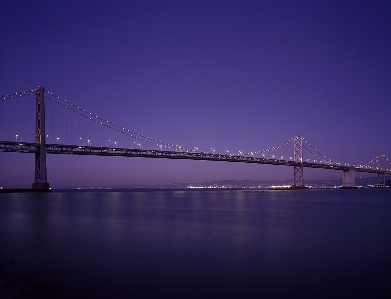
(41,146)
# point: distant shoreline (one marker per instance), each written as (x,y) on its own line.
(29,190)
(23,190)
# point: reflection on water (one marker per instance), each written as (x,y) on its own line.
(196,244)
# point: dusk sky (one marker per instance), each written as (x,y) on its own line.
(224,75)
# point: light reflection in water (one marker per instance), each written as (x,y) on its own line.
(242,241)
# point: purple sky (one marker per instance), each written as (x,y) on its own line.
(229,75)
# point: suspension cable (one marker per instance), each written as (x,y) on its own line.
(99,120)
(272,148)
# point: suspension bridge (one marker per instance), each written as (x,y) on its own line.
(77,142)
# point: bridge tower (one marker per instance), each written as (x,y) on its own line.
(381,164)
(298,159)
(40,179)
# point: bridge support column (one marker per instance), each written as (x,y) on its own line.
(381,164)
(381,179)
(40,179)
(298,182)
(349,178)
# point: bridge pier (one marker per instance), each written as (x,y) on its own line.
(40,178)
(349,178)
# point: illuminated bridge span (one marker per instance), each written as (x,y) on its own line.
(40,148)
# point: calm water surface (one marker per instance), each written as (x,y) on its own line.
(196,244)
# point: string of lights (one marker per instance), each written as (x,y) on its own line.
(379,161)
(99,120)
(94,119)
(374,163)
(271,148)
(320,158)
(14,116)
(371,163)
(389,163)
(17,94)
(319,153)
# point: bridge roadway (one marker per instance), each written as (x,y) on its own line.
(26,147)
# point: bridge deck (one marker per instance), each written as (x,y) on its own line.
(25,147)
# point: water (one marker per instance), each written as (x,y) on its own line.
(196,244)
